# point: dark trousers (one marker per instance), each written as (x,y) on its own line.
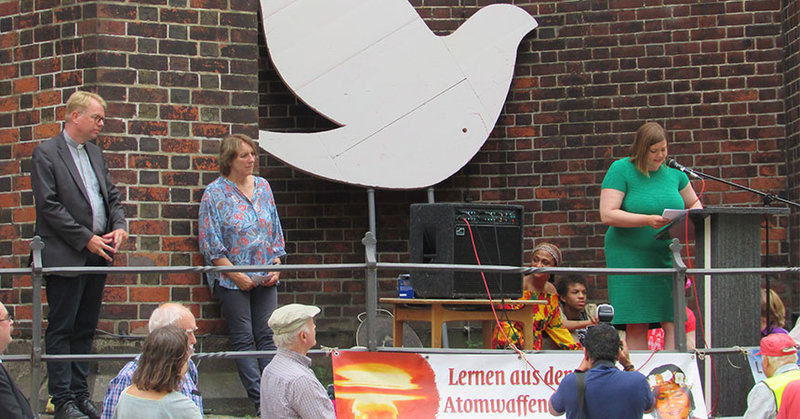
(246,314)
(74,304)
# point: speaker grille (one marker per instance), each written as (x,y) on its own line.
(439,234)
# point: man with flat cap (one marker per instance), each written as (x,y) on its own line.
(289,388)
(779,360)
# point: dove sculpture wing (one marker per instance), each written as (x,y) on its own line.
(413,107)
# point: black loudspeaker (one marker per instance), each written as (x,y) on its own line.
(439,234)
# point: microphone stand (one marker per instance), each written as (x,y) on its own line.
(768,199)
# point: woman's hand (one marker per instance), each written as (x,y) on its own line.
(612,214)
(273,276)
(657,221)
(244,282)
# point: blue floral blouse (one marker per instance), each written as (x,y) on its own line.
(244,231)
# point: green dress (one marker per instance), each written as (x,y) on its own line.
(641,298)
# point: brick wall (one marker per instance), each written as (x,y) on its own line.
(791,67)
(180,74)
(177,75)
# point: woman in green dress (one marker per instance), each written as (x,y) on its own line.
(635,192)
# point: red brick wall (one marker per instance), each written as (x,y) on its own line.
(180,74)
(791,67)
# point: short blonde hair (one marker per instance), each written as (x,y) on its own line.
(229,148)
(80,100)
(648,134)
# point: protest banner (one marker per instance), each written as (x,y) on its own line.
(502,385)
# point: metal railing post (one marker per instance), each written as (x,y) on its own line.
(36,326)
(679,296)
(371,276)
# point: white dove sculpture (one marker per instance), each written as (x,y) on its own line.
(413,107)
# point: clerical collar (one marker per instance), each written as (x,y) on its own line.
(71,142)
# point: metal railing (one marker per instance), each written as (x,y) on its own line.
(371,267)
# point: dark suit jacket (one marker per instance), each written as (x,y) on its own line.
(63,211)
(13,404)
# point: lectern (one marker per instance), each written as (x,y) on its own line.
(730,237)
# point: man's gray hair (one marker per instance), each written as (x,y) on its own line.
(782,360)
(166,314)
(284,340)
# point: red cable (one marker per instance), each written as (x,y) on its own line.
(494,312)
(697,304)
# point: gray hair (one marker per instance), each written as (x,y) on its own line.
(284,340)
(782,360)
(166,314)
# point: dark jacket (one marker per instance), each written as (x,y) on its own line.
(63,210)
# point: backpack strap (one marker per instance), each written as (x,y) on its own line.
(580,382)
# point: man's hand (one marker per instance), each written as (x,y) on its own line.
(117,237)
(624,357)
(101,246)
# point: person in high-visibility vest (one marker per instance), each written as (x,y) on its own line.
(779,359)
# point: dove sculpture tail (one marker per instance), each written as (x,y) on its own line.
(413,107)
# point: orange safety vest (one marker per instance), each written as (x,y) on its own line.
(779,382)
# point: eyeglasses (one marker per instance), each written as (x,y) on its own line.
(98,119)
(7,318)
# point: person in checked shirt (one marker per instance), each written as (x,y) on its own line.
(289,388)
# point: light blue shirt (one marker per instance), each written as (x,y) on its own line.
(90,182)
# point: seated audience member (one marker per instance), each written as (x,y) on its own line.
(779,360)
(13,404)
(655,337)
(547,317)
(576,315)
(162,365)
(777,314)
(608,392)
(674,398)
(289,388)
(168,314)
(790,401)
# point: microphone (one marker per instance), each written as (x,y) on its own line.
(675,165)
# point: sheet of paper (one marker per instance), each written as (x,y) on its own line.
(674,213)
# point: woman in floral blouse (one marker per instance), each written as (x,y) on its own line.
(239,225)
(547,317)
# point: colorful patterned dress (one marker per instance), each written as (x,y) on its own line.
(546,318)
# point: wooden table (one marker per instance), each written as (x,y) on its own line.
(435,312)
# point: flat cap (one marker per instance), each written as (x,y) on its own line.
(291,317)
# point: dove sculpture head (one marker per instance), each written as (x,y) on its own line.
(413,107)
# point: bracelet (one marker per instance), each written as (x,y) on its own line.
(629,367)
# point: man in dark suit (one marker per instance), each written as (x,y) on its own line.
(13,404)
(80,218)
